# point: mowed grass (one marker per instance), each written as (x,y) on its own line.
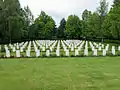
(87,73)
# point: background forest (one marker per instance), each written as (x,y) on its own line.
(18,24)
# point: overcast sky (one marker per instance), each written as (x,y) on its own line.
(59,9)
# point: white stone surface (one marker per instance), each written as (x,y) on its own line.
(86,52)
(17,53)
(14,49)
(113,50)
(67,52)
(21,49)
(37,53)
(43,48)
(57,52)
(76,52)
(104,52)
(28,53)
(95,52)
(47,53)
(100,48)
(119,48)
(7,53)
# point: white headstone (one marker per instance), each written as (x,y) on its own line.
(86,52)
(51,49)
(104,52)
(17,46)
(100,48)
(7,53)
(107,47)
(14,49)
(119,48)
(67,52)
(95,52)
(113,50)
(72,48)
(37,53)
(46,45)
(102,45)
(65,48)
(43,48)
(76,52)
(21,49)
(93,48)
(58,52)
(28,53)
(17,53)
(47,53)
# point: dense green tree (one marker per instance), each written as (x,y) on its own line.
(29,20)
(61,29)
(112,22)
(73,27)
(15,19)
(85,17)
(17,24)
(1,21)
(93,26)
(33,31)
(46,26)
(12,20)
(102,11)
(4,35)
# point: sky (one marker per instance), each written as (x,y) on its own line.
(59,9)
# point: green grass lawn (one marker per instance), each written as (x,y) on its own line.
(87,73)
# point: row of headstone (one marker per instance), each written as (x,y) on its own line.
(58,49)
(86,49)
(72,44)
(67,45)
(53,46)
(12,47)
(81,46)
(28,50)
(23,46)
(36,49)
(64,46)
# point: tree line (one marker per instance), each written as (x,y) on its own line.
(18,24)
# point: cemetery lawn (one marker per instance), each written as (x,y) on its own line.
(87,73)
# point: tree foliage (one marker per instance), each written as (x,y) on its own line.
(45,26)
(61,29)
(112,22)
(18,24)
(73,27)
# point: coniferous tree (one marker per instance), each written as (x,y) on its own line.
(61,29)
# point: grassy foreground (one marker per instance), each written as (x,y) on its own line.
(97,73)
